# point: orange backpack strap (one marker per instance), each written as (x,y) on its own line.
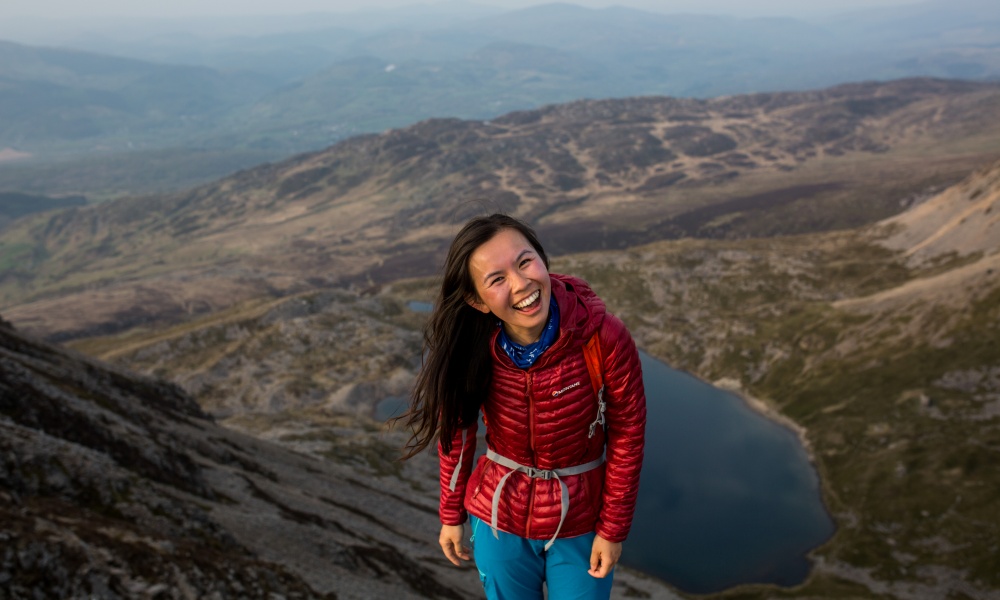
(595,364)
(592,353)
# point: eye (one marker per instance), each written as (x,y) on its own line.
(496,280)
(525,261)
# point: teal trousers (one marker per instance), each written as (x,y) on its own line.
(515,568)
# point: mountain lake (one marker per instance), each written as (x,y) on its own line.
(726,496)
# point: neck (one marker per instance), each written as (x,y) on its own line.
(524,337)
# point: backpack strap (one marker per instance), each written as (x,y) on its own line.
(595,364)
(592,354)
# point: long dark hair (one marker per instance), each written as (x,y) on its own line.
(456,371)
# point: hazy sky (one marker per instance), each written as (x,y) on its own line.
(102,8)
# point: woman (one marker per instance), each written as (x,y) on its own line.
(552,500)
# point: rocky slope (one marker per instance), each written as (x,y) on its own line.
(962,221)
(119,486)
(590,174)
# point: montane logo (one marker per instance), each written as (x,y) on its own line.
(567,388)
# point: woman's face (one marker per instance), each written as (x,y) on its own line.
(512,283)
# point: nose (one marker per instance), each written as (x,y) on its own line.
(518,281)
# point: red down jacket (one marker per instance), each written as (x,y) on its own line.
(540,418)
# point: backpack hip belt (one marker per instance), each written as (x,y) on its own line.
(534,473)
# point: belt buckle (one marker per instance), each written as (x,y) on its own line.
(539,473)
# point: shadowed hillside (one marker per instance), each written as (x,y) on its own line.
(589,174)
(14,205)
(118,486)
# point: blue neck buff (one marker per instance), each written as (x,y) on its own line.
(525,356)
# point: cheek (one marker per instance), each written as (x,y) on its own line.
(494,298)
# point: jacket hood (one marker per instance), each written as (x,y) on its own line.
(581,312)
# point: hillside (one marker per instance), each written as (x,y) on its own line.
(960,222)
(14,205)
(119,485)
(589,174)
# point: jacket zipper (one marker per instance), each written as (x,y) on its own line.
(531,442)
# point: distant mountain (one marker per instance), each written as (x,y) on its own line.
(299,84)
(565,52)
(589,174)
(929,21)
(51,96)
(364,94)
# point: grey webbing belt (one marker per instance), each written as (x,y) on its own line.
(537,474)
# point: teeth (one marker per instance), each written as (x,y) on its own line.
(528,300)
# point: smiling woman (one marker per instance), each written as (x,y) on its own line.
(512,282)
(551,501)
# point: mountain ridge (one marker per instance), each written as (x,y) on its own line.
(54,95)
(589,174)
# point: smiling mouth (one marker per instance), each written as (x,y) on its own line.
(529,301)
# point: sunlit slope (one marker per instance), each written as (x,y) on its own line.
(589,174)
(963,220)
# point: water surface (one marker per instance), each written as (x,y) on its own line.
(727,496)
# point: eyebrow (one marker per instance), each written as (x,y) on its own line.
(489,276)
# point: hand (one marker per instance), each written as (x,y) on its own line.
(451,543)
(603,557)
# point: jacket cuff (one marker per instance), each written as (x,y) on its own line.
(612,534)
(452,519)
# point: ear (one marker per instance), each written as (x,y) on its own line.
(476,304)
